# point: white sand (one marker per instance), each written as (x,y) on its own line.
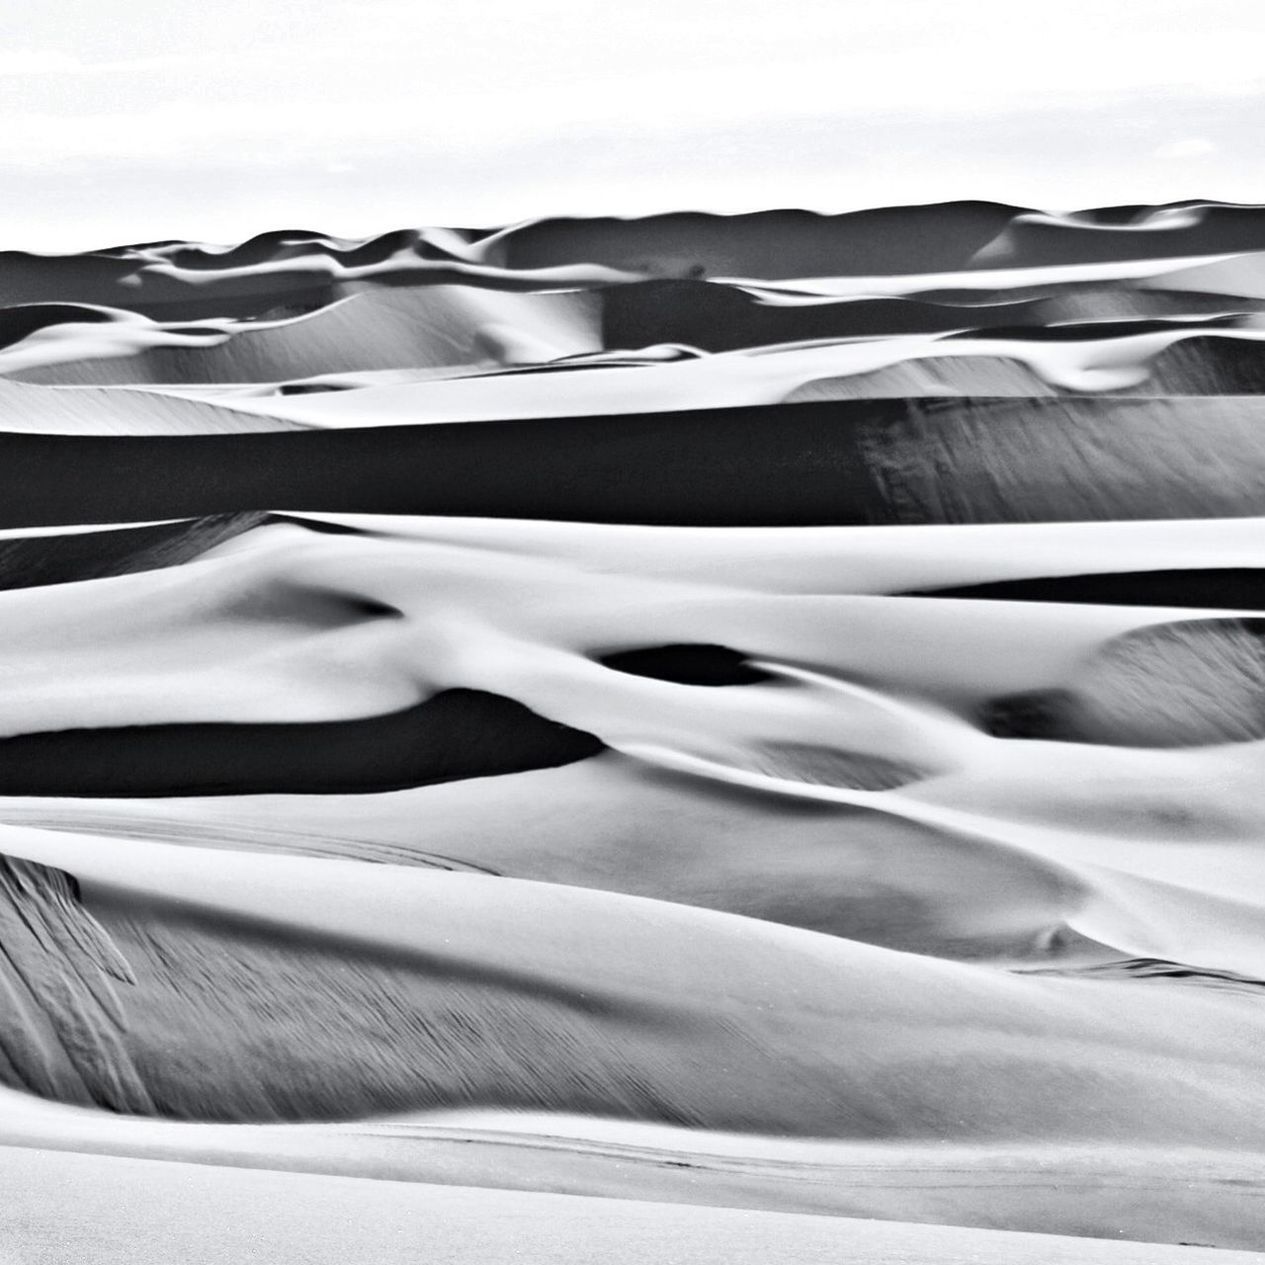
(117,1211)
(814,968)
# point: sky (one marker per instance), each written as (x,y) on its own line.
(216,119)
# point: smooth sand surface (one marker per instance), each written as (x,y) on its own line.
(123,1211)
(683,739)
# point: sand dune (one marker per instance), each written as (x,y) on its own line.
(847,462)
(631,1029)
(756,721)
(776,245)
(93,411)
(496,368)
(939,238)
(419,327)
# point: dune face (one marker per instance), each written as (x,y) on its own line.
(758,712)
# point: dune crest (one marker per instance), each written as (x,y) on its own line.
(713,713)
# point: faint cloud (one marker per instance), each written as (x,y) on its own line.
(1190,147)
(51,61)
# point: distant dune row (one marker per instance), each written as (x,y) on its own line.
(762,711)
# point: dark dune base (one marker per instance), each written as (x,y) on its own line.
(1201,365)
(715,317)
(455,734)
(781,465)
(836,462)
(687,665)
(1241,588)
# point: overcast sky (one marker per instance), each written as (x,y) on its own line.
(215,119)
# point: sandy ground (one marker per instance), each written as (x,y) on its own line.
(121,1212)
(682,739)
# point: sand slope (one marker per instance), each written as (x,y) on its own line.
(756,721)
